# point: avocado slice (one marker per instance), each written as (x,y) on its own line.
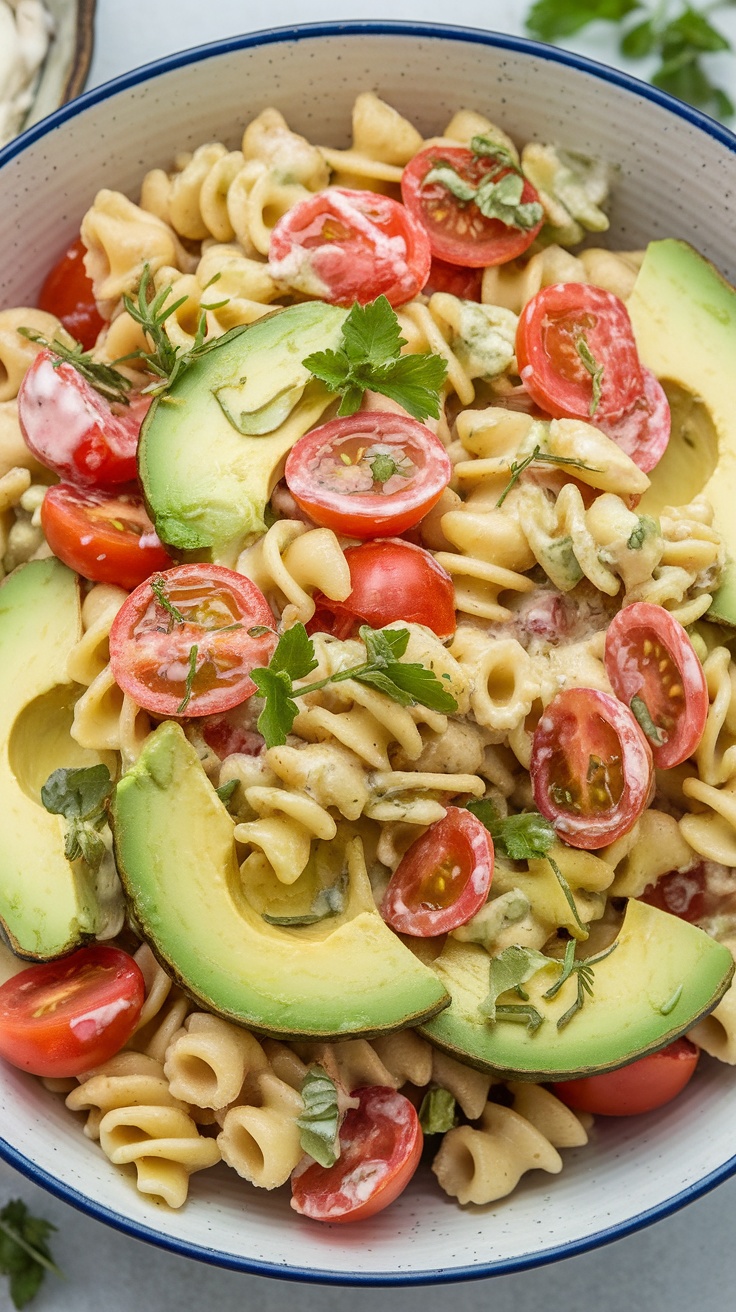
(213,447)
(47,904)
(348,975)
(684,318)
(663,976)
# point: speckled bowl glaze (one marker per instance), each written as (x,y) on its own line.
(634,1171)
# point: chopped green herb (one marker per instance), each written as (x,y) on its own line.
(640,711)
(105,378)
(512,968)
(496,197)
(25,1256)
(438,1111)
(191,675)
(369,359)
(80,795)
(226,790)
(518,467)
(644,529)
(384,467)
(158,589)
(518,837)
(320,1121)
(595,370)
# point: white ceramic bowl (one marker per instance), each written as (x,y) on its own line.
(677,176)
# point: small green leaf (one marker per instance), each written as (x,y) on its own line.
(595,370)
(448,177)
(77,793)
(510,970)
(550,19)
(189,681)
(639,41)
(641,713)
(524,837)
(25,1256)
(423,686)
(372,333)
(383,467)
(226,790)
(320,1121)
(294,654)
(280,710)
(438,1111)
(691,32)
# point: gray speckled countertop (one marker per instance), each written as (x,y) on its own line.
(687,1261)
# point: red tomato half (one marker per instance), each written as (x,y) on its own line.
(639,1087)
(106,537)
(458,231)
(67,293)
(64,1017)
(348,246)
(555,326)
(591,767)
(643,432)
(380,1147)
(73,430)
(681,892)
(443,879)
(369,474)
(392,580)
(200,662)
(653,668)
(466,284)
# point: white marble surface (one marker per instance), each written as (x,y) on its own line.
(686,1261)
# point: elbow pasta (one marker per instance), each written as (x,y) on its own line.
(540,555)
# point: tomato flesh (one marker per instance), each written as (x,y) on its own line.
(380,1147)
(67,292)
(348,246)
(64,1017)
(391,580)
(74,430)
(466,284)
(652,663)
(106,537)
(643,432)
(560,326)
(591,767)
(642,1086)
(368,474)
(200,663)
(681,892)
(459,233)
(443,879)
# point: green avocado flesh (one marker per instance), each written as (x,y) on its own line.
(636,1007)
(212,449)
(684,318)
(47,904)
(348,975)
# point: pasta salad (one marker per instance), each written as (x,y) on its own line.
(372,708)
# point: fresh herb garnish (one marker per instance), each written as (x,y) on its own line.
(320,1121)
(518,467)
(584,977)
(105,378)
(405,683)
(165,360)
(494,150)
(80,795)
(438,1111)
(226,790)
(496,197)
(595,370)
(638,536)
(191,675)
(158,588)
(673,31)
(25,1256)
(525,837)
(516,965)
(383,467)
(369,359)
(640,711)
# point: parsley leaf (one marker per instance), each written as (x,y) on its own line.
(80,795)
(522,837)
(320,1121)
(280,710)
(294,653)
(25,1256)
(369,358)
(438,1111)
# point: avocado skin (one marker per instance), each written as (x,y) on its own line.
(655,954)
(684,318)
(206,485)
(346,977)
(47,905)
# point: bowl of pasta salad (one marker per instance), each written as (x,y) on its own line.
(367,744)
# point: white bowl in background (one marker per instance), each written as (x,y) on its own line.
(677,170)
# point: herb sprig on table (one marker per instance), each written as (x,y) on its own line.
(674,32)
(25,1256)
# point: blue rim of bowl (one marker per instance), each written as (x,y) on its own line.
(194,55)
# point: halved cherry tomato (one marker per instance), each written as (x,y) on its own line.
(380,1147)
(562,327)
(463,283)
(458,231)
(443,879)
(642,1086)
(371,473)
(74,430)
(643,432)
(194,655)
(653,668)
(348,246)
(392,580)
(105,536)
(64,1017)
(226,738)
(591,767)
(67,293)
(681,892)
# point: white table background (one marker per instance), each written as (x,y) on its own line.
(685,1262)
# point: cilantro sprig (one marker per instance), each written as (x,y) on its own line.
(675,33)
(539,457)
(25,1256)
(81,796)
(369,359)
(104,378)
(407,683)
